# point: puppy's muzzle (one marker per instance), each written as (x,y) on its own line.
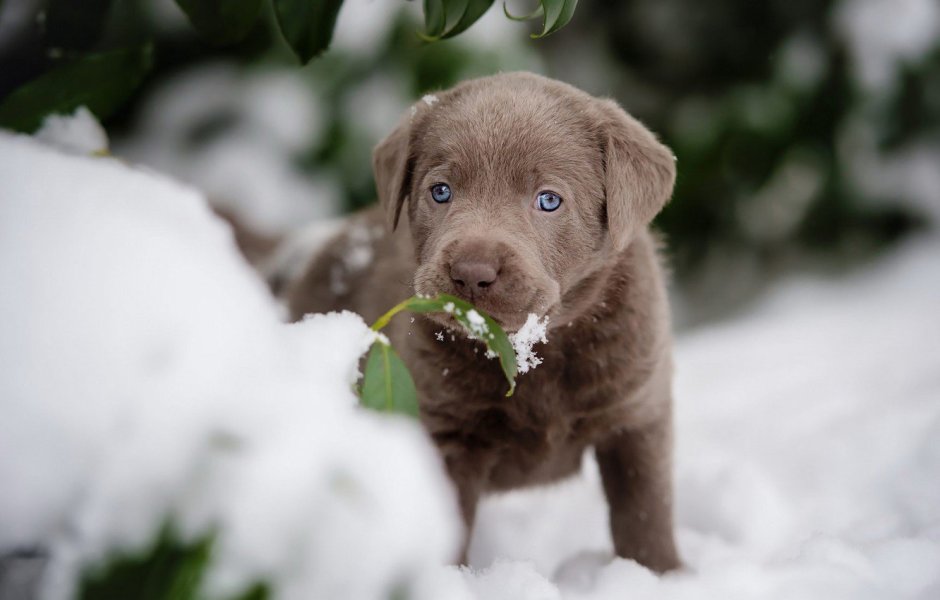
(488,272)
(476,268)
(472,277)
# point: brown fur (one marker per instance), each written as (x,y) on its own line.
(591,266)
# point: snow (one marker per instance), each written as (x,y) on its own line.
(296,248)
(363,25)
(78,133)
(237,135)
(531,333)
(908,175)
(883,34)
(358,253)
(378,101)
(883,39)
(476,325)
(144,373)
(808,436)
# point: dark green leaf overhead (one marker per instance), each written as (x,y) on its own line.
(222,21)
(446,18)
(555,15)
(102,82)
(71,25)
(307,25)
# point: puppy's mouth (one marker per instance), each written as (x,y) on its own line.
(506,294)
(510,318)
(510,321)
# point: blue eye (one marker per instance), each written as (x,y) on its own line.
(440,192)
(548,201)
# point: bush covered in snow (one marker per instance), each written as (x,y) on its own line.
(147,378)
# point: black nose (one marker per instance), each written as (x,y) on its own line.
(473,277)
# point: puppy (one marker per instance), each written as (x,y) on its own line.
(525,195)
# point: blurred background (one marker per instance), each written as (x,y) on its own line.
(807,131)
(807,134)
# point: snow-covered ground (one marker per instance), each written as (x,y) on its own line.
(144,373)
(808,459)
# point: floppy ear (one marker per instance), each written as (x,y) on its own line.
(640,173)
(392,165)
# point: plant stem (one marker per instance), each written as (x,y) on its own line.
(384,319)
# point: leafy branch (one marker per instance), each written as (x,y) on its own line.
(169,568)
(103,81)
(387,385)
(555,15)
(307,25)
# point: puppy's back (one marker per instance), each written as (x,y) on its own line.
(362,269)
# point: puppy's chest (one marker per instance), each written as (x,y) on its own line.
(570,399)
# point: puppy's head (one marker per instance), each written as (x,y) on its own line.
(518,189)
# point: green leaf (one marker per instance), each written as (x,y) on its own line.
(555,15)
(222,21)
(532,15)
(446,18)
(102,82)
(72,25)
(168,569)
(307,25)
(489,331)
(387,385)
(433,18)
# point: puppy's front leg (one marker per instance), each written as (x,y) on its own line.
(467,483)
(636,468)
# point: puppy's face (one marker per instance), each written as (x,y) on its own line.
(506,185)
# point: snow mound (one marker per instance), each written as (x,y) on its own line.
(144,373)
(78,133)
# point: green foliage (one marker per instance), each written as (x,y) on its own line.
(555,15)
(387,385)
(102,82)
(222,21)
(446,18)
(307,25)
(168,569)
(747,94)
(74,25)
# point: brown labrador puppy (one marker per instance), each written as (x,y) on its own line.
(525,195)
